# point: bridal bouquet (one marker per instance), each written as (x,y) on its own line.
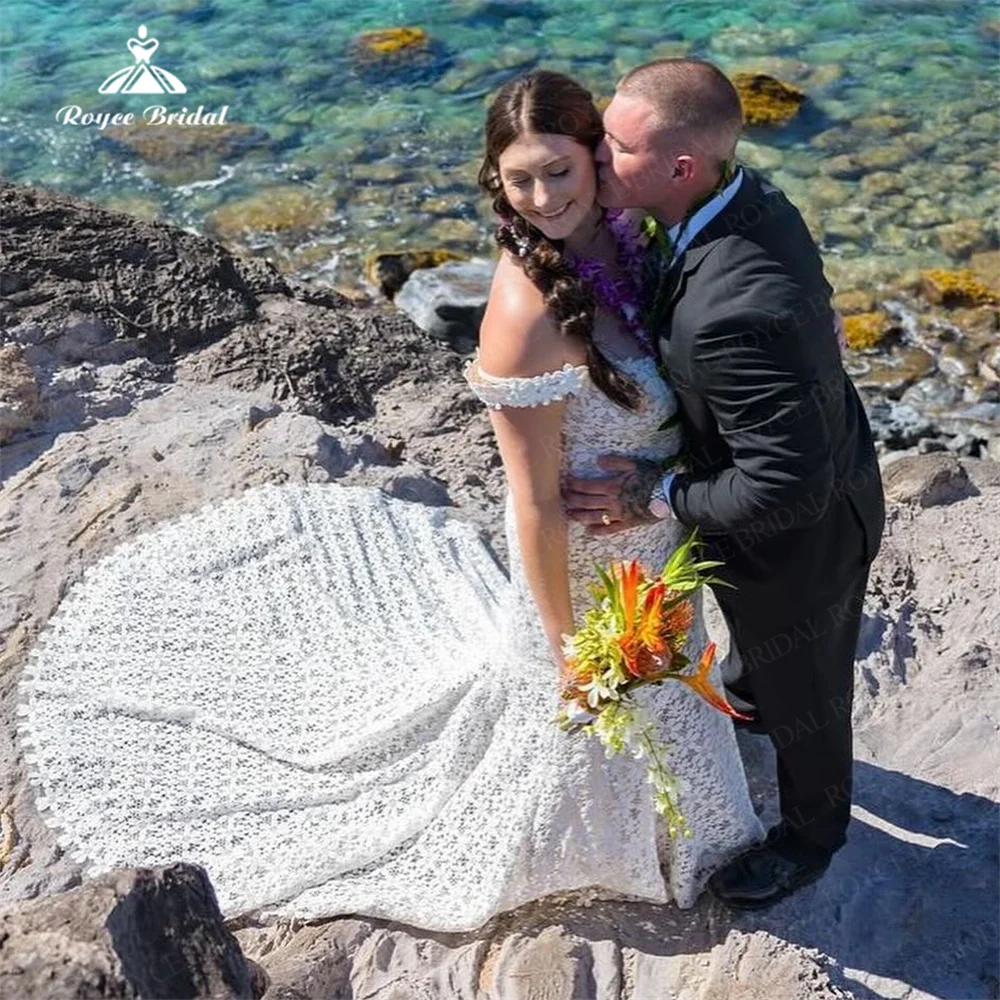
(632,637)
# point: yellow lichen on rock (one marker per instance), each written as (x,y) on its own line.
(956,288)
(863,331)
(388,42)
(766,100)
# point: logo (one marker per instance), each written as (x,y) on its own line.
(143,77)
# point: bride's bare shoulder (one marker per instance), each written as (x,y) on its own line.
(519,335)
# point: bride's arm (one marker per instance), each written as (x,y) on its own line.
(518,339)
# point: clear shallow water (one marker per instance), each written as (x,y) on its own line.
(331,158)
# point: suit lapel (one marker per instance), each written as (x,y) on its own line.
(732,219)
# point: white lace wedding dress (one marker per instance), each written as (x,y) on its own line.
(337,703)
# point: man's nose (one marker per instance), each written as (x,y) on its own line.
(602,154)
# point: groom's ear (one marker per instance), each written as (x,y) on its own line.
(683,166)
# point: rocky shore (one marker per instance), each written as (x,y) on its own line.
(145,371)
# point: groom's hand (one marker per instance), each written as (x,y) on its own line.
(623,496)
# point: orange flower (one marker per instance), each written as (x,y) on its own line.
(677,622)
(699,683)
(644,650)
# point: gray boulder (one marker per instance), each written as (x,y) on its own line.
(141,932)
(448,301)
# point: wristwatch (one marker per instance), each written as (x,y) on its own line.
(659,504)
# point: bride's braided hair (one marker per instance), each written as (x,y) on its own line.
(545,102)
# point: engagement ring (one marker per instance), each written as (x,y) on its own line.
(605,518)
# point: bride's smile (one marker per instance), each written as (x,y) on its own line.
(550,180)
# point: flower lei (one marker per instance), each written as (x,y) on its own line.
(623,294)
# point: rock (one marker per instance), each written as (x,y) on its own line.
(925,214)
(891,374)
(145,932)
(898,425)
(448,301)
(863,331)
(20,404)
(767,101)
(856,300)
(399,55)
(961,239)
(290,209)
(933,393)
(989,29)
(956,288)
(826,192)
(843,167)
(981,420)
(68,253)
(881,125)
(986,266)
(376,45)
(179,154)
(389,271)
(927,480)
(418,487)
(881,183)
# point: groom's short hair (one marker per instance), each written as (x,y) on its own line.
(689,94)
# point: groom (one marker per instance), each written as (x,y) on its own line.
(781,477)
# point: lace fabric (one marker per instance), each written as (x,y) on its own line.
(338,702)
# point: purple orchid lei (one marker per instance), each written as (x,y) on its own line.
(621,295)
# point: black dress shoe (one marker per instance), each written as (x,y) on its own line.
(766,874)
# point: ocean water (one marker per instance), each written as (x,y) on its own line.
(329,156)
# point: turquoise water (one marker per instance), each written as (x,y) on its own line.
(328,157)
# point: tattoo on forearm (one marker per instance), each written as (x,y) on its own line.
(637,488)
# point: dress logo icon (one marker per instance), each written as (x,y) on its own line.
(143,77)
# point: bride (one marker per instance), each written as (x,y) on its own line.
(336,701)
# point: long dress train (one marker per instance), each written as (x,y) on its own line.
(338,702)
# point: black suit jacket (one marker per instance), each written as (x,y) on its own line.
(783,481)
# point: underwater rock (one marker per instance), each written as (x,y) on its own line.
(898,425)
(881,125)
(287,209)
(986,266)
(178,154)
(924,214)
(882,182)
(884,157)
(375,45)
(766,100)
(956,288)
(866,330)
(855,300)
(989,29)
(963,238)
(843,167)
(403,54)
(389,270)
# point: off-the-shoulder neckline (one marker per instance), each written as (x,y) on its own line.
(567,367)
